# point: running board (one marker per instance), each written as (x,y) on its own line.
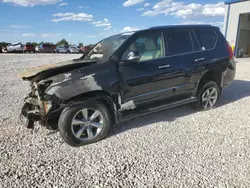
(151,110)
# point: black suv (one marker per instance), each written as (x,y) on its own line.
(129,75)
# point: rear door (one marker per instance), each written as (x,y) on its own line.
(207,39)
(182,48)
(209,52)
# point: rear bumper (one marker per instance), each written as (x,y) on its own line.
(229,74)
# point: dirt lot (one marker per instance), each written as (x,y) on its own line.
(175,148)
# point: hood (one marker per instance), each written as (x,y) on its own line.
(45,71)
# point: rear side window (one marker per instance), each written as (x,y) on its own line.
(207,38)
(179,42)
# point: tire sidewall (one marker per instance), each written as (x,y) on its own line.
(67,115)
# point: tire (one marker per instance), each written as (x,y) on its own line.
(205,90)
(69,130)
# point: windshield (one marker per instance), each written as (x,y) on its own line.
(104,49)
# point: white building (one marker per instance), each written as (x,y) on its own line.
(237,25)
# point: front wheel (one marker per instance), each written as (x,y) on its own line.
(208,96)
(84,123)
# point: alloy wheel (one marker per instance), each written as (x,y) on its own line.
(87,124)
(209,98)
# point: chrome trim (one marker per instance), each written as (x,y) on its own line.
(200,59)
(164,66)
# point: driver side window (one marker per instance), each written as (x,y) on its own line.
(145,47)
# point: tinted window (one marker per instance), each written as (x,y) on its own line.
(207,38)
(179,42)
(46,45)
(145,47)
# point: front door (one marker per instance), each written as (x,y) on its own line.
(148,77)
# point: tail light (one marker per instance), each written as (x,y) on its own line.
(230,50)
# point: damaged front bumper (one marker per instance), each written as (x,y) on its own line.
(37,108)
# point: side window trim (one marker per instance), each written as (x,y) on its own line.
(161,33)
(192,42)
(163,45)
(215,44)
(200,50)
(166,42)
(196,40)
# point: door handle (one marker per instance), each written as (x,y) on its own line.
(164,66)
(200,59)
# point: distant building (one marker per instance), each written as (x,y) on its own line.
(237,26)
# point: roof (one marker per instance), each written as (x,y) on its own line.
(180,26)
(234,1)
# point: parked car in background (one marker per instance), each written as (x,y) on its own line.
(85,49)
(53,47)
(72,49)
(29,48)
(45,48)
(129,75)
(61,49)
(16,47)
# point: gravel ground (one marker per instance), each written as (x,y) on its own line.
(175,148)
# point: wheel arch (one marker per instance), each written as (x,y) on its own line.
(111,101)
(215,75)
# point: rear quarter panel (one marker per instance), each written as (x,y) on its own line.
(217,58)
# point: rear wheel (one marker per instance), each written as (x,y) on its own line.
(85,123)
(208,96)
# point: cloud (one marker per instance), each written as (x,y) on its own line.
(28,34)
(128,29)
(9,30)
(45,35)
(20,26)
(62,4)
(72,16)
(70,34)
(146,4)
(104,23)
(140,9)
(83,7)
(31,3)
(151,13)
(214,9)
(185,11)
(129,3)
